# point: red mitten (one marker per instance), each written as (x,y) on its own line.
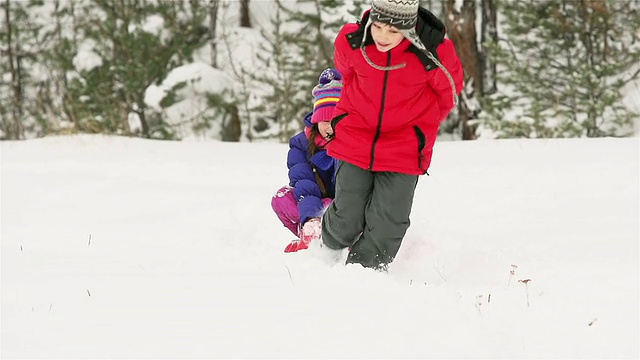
(311,231)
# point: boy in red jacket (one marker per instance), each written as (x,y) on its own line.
(401,78)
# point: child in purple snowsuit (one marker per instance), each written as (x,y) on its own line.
(311,188)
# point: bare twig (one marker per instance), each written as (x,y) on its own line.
(176,124)
(290,277)
(526,289)
(479,303)
(440,273)
(511,274)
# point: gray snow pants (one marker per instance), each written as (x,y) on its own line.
(370,214)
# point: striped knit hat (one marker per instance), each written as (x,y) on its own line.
(326,95)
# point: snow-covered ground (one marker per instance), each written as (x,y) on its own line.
(129,248)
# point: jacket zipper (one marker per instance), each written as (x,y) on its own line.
(384,90)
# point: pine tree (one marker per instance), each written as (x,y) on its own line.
(298,52)
(57,60)
(133,44)
(19,51)
(564,63)
(281,101)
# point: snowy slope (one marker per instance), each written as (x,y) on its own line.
(129,248)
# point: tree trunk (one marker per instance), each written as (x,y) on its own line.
(214,5)
(245,14)
(461,26)
(231,127)
(435,6)
(14,129)
(143,119)
(326,49)
(489,33)
(67,101)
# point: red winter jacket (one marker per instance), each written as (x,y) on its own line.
(389,120)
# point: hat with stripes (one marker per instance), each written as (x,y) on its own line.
(326,95)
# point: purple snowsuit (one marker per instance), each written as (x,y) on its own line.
(302,199)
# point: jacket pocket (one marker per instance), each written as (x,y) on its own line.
(422,142)
(335,121)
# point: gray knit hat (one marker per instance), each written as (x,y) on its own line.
(403,15)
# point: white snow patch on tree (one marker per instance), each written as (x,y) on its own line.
(199,80)
(86,59)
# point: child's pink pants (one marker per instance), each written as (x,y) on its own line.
(286,207)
